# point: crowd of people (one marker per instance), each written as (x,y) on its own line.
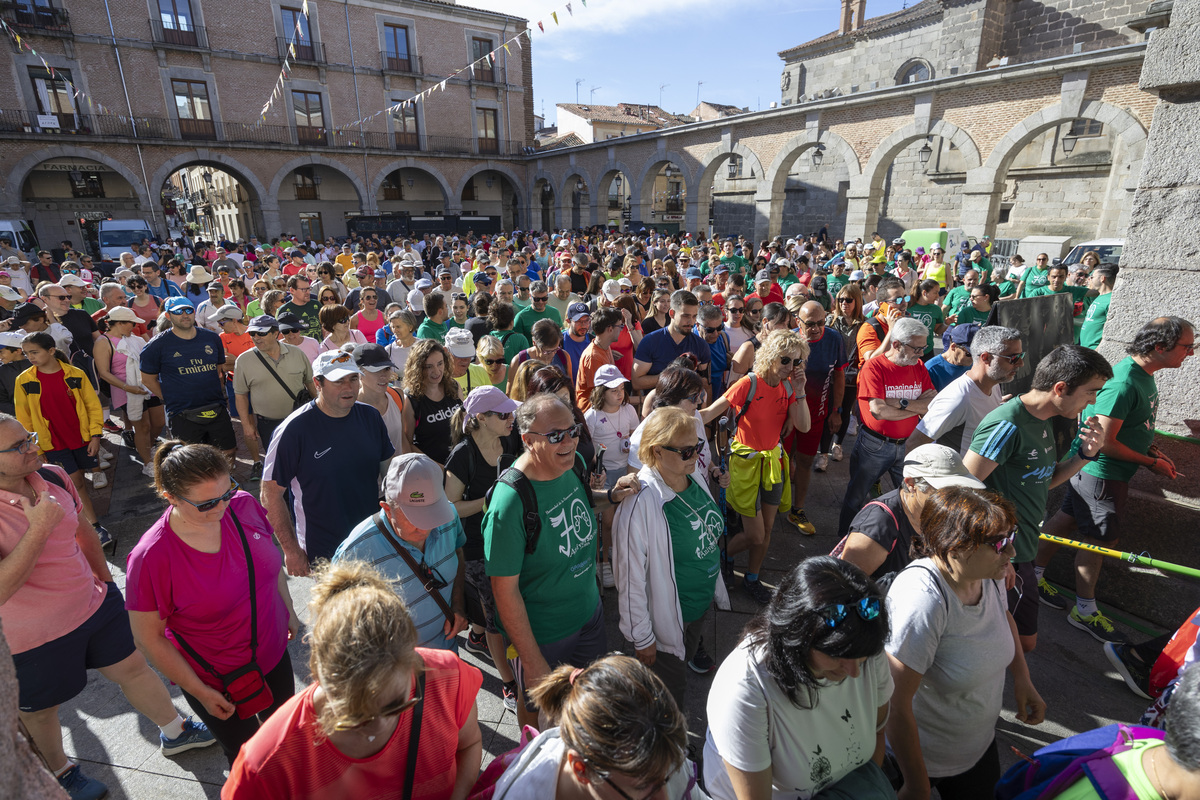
(468,440)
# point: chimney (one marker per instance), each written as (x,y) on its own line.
(853,12)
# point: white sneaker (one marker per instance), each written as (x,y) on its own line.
(820,463)
(852,428)
(835,452)
(99,480)
(606,575)
(104,463)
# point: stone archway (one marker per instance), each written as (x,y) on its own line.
(649,173)
(364,197)
(600,207)
(433,172)
(699,212)
(11,201)
(578,212)
(263,207)
(838,154)
(509,211)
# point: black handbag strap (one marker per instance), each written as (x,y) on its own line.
(424,574)
(253,610)
(275,375)
(414,739)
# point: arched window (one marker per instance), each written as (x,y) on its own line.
(914,72)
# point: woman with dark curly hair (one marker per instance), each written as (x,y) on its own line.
(801,703)
(432,398)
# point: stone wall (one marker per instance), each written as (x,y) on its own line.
(1037,29)
(914,199)
(1060,204)
(733,213)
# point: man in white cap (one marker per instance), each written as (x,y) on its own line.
(334,436)
(268,382)
(881,532)
(461,345)
(416,542)
(10,298)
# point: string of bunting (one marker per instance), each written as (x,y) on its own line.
(488,59)
(285,70)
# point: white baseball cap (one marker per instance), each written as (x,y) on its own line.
(609,376)
(334,365)
(940,467)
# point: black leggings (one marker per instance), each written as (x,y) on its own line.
(232,733)
(979,781)
(849,404)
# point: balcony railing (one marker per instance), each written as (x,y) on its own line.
(32,18)
(400,62)
(392,193)
(674,205)
(307,50)
(306,192)
(179,34)
(171,129)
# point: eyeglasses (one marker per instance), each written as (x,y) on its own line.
(541,299)
(753,310)
(392,709)
(491,362)
(209,505)
(1013,358)
(686,453)
(26,445)
(696,399)
(867,609)
(916,348)
(1005,541)
(262,333)
(1190,349)
(626,290)
(604,777)
(59,296)
(787,360)
(820,323)
(556,436)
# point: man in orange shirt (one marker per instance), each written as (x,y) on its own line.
(894,391)
(875,337)
(607,324)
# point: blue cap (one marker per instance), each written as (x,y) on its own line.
(424,283)
(960,335)
(694,272)
(577,310)
(482,280)
(380,273)
(179,304)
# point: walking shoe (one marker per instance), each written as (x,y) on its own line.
(256,471)
(130,442)
(1098,625)
(820,462)
(509,694)
(759,593)
(104,459)
(80,786)
(112,427)
(835,452)
(606,575)
(477,644)
(701,662)
(798,518)
(1051,596)
(1135,673)
(99,480)
(107,540)
(195,734)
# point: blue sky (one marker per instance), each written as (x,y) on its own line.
(629,48)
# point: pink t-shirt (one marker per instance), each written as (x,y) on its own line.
(206,596)
(61,592)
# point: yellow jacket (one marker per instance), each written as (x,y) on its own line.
(27,400)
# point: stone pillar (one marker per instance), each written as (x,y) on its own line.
(24,776)
(1160,265)
(861,213)
(980,202)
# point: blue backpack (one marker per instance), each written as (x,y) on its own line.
(1053,768)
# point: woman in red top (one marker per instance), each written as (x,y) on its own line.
(348,734)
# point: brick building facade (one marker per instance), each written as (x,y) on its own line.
(195,75)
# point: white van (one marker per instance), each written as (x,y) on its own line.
(1109,251)
(21,234)
(117,235)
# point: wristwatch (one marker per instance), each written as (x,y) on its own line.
(903,403)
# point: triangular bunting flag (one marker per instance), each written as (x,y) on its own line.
(506,47)
(472,71)
(569,11)
(554,14)
(541,27)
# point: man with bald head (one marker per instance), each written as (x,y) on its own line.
(825,382)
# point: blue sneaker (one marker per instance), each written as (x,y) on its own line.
(80,786)
(195,734)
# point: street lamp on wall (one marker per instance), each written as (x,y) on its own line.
(818,155)
(489,181)
(207,176)
(1068,143)
(410,183)
(925,152)
(734,168)
(316,179)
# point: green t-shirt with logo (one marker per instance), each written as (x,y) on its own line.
(1007,288)
(308,313)
(523,324)
(1024,451)
(1132,397)
(956,298)
(836,282)
(786,281)
(737,265)
(1034,279)
(1093,321)
(930,316)
(970,313)
(558,579)
(695,524)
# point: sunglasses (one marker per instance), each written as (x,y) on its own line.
(541,299)
(753,310)
(209,505)
(788,360)
(506,416)
(845,299)
(736,309)
(686,453)
(867,609)
(556,436)
(1013,358)
(817,324)
(491,362)
(262,333)
(1005,541)
(393,709)
(179,312)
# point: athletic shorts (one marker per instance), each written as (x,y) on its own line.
(1096,504)
(809,443)
(51,674)
(72,460)
(1023,599)
(746,493)
(579,650)
(218,433)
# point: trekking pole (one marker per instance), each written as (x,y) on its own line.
(1166,566)
(725,425)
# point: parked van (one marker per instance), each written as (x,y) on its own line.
(1109,251)
(21,234)
(116,236)
(949,238)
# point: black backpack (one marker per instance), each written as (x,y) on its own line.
(516,480)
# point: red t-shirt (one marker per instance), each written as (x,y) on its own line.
(762,425)
(622,351)
(880,378)
(774,295)
(284,761)
(58,407)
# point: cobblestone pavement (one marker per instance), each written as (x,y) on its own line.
(119,747)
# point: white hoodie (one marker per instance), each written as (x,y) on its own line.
(644,568)
(534,775)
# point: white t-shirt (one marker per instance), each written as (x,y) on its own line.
(962,651)
(956,412)
(614,432)
(399,356)
(702,461)
(737,337)
(752,725)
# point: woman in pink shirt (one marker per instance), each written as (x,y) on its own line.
(188,592)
